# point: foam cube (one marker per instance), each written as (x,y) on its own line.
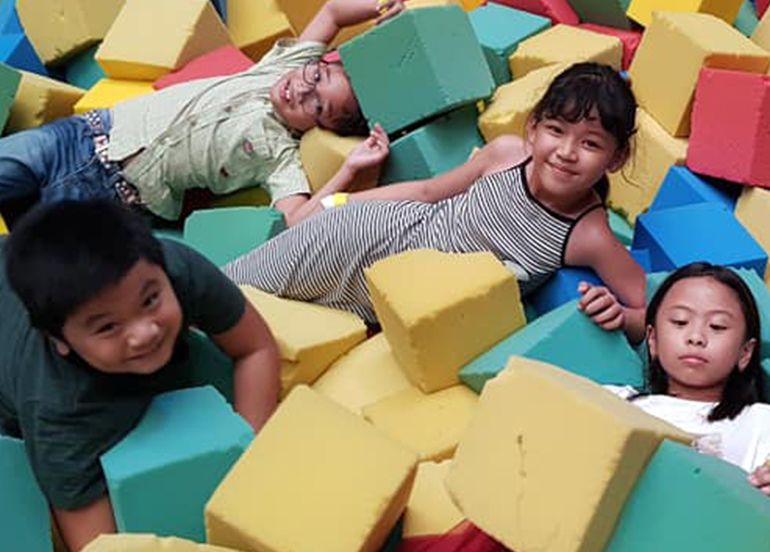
(40,100)
(363,376)
(761,34)
(9,19)
(225,60)
(147,543)
(699,40)
(608,13)
(633,188)
(410,82)
(82,70)
(746,21)
(300,12)
(430,510)
(318,463)
(16,51)
(310,337)
(694,502)
(560,288)
(440,310)
(108,92)
(641,11)
(549,459)
(499,30)
(10,79)
(140,45)
(161,475)
(739,154)
(3,226)
(435,148)
(751,210)
(323,152)
(255,196)
(762,6)
(630,39)
(255,26)
(698,232)
(430,425)
(567,338)
(620,227)
(208,365)
(227,233)
(558,11)
(682,187)
(547,48)
(24,518)
(66,27)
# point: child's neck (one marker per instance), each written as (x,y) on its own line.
(566,205)
(708,394)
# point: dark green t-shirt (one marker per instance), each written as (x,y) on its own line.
(70,414)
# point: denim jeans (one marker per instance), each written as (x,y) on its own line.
(56,161)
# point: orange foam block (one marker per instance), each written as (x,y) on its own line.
(738,105)
(226,60)
(558,11)
(629,39)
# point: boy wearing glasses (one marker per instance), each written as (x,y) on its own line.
(221,133)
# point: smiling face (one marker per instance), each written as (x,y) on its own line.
(128,328)
(699,338)
(317,94)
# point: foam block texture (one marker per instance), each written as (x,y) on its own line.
(108,92)
(16,51)
(641,10)
(558,11)
(761,34)
(255,26)
(147,543)
(82,70)
(40,100)
(751,210)
(560,288)
(630,39)
(430,510)
(225,60)
(323,152)
(682,187)
(10,79)
(609,13)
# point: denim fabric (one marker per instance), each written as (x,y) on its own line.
(56,160)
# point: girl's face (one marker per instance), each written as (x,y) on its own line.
(699,338)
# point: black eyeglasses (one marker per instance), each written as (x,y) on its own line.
(311,75)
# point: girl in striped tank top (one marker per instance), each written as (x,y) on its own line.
(536,203)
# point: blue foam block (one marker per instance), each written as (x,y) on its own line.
(16,51)
(560,288)
(567,338)
(697,232)
(221,7)
(9,18)
(161,475)
(82,70)
(683,187)
(25,523)
(500,29)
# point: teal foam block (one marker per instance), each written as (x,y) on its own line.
(226,233)
(566,338)
(690,501)
(161,475)
(620,227)
(746,20)
(208,365)
(610,13)
(765,379)
(499,30)
(25,523)
(423,62)
(82,70)
(9,84)
(435,148)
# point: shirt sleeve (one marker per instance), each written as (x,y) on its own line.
(288,53)
(288,176)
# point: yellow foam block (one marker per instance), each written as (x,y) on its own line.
(697,40)
(317,478)
(3,226)
(633,188)
(143,45)
(431,425)
(40,100)
(247,197)
(430,510)
(440,310)
(309,336)
(127,542)
(323,152)
(761,34)
(60,28)
(641,10)
(470,5)
(364,375)
(108,92)
(550,458)
(255,26)
(548,47)
(512,103)
(751,210)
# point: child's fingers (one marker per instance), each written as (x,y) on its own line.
(613,324)
(608,314)
(596,299)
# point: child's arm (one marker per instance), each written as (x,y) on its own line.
(257,366)
(337,14)
(81,526)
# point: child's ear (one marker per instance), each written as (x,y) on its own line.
(61,346)
(530,130)
(746,351)
(652,343)
(619,159)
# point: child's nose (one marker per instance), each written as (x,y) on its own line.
(696,337)
(143,333)
(567,148)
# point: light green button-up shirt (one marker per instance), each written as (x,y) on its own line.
(218,133)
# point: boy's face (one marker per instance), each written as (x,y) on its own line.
(128,328)
(316,94)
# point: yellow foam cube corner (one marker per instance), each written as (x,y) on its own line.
(310,337)
(633,188)
(255,26)
(126,542)
(317,478)
(440,310)
(142,45)
(550,458)
(548,47)
(108,92)
(431,424)
(751,210)
(364,375)
(40,100)
(323,152)
(3,226)
(641,10)
(761,34)
(430,510)
(513,102)
(60,28)
(698,40)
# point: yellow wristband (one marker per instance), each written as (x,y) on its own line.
(382,6)
(339,199)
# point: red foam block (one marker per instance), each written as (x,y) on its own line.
(762,7)
(730,127)
(558,11)
(630,39)
(226,60)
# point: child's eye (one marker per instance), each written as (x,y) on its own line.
(317,76)
(678,322)
(717,327)
(556,129)
(106,329)
(152,299)
(593,145)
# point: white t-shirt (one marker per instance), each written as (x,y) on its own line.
(743,441)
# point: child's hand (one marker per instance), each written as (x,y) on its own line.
(388,9)
(761,478)
(599,303)
(369,153)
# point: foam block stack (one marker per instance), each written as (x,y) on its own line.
(108,92)
(681,187)
(608,13)
(642,11)
(15,48)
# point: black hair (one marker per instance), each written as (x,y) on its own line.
(61,255)
(349,122)
(743,386)
(580,89)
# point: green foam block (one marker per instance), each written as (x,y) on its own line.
(83,70)
(620,227)
(566,338)
(610,13)
(9,84)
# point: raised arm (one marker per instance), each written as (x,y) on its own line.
(337,14)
